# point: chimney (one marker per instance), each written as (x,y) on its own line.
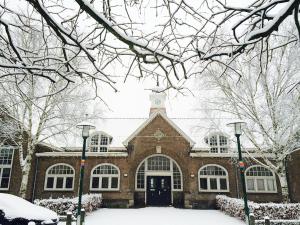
(157,98)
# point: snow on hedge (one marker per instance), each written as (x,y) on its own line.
(90,202)
(275,211)
(16,207)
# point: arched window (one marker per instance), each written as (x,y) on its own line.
(105,177)
(218,143)
(60,177)
(260,179)
(99,142)
(6,161)
(213,178)
(159,164)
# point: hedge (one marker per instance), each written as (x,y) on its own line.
(61,206)
(275,211)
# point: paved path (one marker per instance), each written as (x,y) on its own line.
(160,216)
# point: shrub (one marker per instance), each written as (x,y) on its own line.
(275,211)
(61,206)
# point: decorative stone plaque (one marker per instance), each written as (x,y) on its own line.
(158,134)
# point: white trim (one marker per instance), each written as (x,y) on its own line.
(72,154)
(264,178)
(8,166)
(109,176)
(228,155)
(55,176)
(149,120)
(218,177)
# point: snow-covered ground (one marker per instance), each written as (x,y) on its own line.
(159,216)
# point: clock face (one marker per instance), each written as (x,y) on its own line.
(157,101)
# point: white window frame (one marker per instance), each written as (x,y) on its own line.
(99,145)
(217,177)
(160,172)
(3,166)
(264,178)
(55,176)
(218,146)
(109,176)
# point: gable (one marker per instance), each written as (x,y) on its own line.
(158,124)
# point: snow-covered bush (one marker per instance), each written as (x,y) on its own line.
(61,206)
(275,211)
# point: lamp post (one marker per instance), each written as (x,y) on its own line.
(238,131)
(85,126)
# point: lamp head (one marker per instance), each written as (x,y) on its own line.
(238,126)
(86,127)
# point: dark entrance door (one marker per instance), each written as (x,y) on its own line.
(159,190)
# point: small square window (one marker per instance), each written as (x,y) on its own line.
(104,183)
(95,182)
(270,185)
(250,184)
(223,184)
(59,182)
(4,182)
(50,182)
(260,184)
(69,182)
(203,183)
(114,182)
(213,184)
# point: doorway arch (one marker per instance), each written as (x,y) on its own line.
(158,176)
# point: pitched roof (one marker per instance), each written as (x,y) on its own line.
(150,119)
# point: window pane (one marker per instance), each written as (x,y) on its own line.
(6,156)
(213,184)
(94,140)
(59,182)
(159,163)
(203,183)
(50,182)
(6,172)
(104,183)
(250,184)
(4,182)
(95,182)
(104,140)
(270,184)
(69,182)
(141,177)
(114,182)
(260,184)
(223,184)
(103,149)
(94,149)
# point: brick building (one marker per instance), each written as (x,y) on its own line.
(155,163)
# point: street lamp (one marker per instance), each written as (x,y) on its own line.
(238,131)
(86,127)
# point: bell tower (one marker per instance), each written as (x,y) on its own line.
(158,99)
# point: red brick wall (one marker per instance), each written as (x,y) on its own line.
(142,146)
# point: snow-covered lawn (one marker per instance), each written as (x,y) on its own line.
(159,216)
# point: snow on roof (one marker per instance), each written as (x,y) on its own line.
(196,129)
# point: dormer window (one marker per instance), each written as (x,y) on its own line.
(99,142)
(218,143)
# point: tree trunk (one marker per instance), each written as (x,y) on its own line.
(26,172)
(284,186)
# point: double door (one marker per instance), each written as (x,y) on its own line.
(158,190)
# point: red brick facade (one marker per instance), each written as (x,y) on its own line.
(144,144)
